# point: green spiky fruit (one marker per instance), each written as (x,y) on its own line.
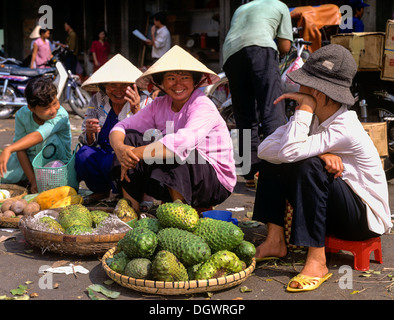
(78,230)
(245,251)
(177,215)
(138,243)
(219,264)
(52,225)
(166,267)
(220,235)
(187,247)
(152,224)
(98,216)
(118,262)
(76,214)
(139,268)
(124,210)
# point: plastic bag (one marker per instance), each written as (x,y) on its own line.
(287,84)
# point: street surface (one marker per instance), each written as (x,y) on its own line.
(20,264)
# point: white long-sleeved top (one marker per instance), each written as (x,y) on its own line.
(341,134)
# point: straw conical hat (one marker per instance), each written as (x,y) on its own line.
(116,70)
(35,33)
(177,59)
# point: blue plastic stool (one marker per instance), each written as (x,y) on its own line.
(220,215)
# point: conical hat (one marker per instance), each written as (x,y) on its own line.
(177,59)
(35,33)
(116,70)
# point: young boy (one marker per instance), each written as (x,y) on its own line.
(41,122)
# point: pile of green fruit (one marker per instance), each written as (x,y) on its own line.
(181,246)
(77,219)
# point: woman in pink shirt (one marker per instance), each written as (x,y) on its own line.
(178,147)
(41,50)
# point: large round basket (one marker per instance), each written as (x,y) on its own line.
(176,288)
(17,192)
(82,245)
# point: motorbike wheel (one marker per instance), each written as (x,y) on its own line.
(6,112)
(78,105)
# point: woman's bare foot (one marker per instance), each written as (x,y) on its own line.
(274,245)
(315,265)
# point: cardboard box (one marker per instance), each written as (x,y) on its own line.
(366,48)
(378,133)
(389,41)
(388,65)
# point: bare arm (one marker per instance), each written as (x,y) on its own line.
(284,46)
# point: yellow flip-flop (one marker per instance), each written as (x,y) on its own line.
(307,283)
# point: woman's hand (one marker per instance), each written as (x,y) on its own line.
(126,156)
(333,163)
(133,97)
(92,126)
(305,101)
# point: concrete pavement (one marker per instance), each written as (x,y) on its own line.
(20,264)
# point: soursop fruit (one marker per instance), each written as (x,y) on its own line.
(245,251)
(139,268)
(219,264)
(152,224)
(78,230)
(220,235)
(118,262)
(177,215)
(51,225)
(124,210)
(76,214)
(190,249)
(138,243)
(98,216)
(166,267)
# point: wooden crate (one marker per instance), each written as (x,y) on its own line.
(378,133)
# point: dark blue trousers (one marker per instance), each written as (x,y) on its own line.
(321,204)
(254,80)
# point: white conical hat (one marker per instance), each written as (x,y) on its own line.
(177,59)
(116,70)
(35,33)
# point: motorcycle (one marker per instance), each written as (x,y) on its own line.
(14,79)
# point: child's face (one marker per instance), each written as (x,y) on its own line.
(44,113)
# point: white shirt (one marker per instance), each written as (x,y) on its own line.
(162,42)
(342,134)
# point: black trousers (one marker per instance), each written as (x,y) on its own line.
(321,204)
(254,80)
(195,179)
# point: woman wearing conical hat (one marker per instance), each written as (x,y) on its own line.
(108,106)
(190,155)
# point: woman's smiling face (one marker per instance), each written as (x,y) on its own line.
(179,85)
(116,92)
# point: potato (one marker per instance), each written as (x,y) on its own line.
(18,206)
(31,209)
(9,214)
(1,214)
(7,204)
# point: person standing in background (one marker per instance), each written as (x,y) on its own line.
(250,61)
(42,52)
(72,43)
(100,50)
(358,12)
(161,37)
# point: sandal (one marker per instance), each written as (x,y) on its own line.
(250,184)
(307,283)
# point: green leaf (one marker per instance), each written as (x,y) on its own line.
(245,289)
(92,296)
(21,290)
(109,293)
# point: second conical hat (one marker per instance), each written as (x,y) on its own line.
(35,33)
(177,59)
(116,70)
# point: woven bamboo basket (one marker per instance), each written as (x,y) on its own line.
(176,288)
(81,245)
(17,192)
